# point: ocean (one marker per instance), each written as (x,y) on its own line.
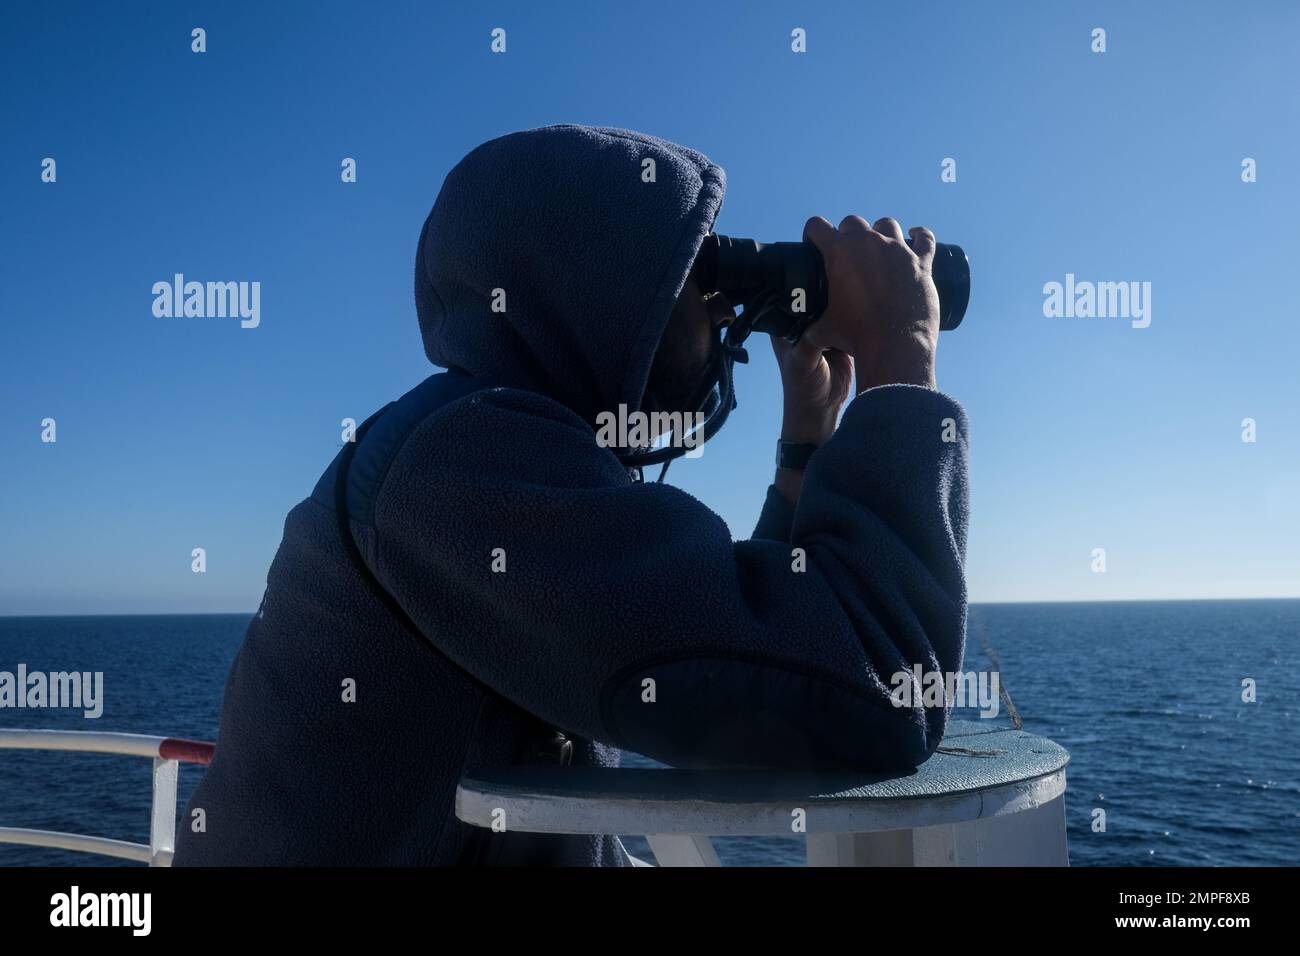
(1146,696)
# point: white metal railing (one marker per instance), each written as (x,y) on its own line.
(167,753)
(989,797)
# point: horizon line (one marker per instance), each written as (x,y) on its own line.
(1205,600)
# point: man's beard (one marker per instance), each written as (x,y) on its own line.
(676,380)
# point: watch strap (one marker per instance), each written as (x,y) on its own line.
(794,456)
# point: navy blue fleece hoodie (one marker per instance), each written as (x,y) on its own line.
(607,582)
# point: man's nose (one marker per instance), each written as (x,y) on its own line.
(721,312)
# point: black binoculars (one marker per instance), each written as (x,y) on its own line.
(783,287)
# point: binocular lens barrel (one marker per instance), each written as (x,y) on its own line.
(745,270)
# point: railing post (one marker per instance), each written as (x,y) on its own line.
(878,848)
(162,822)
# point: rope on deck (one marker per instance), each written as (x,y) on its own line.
(1003,693)
(1002,683)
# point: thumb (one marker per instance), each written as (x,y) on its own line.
(923,245)
(799,359)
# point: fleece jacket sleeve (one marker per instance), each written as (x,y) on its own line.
(776,518)
(624,612)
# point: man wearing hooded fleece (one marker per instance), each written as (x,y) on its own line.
(608,582)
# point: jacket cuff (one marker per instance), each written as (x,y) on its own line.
(925,411)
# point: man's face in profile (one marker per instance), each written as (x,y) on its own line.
(685,352)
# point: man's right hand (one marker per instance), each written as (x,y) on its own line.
(882,306)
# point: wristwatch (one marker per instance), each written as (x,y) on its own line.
(793,456)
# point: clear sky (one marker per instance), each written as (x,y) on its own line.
(1087,433)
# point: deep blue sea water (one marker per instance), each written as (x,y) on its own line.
(1146,697)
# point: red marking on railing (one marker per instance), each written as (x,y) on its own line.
(187,751)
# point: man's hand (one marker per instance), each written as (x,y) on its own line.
(816,385)
(882,306)
(882,309)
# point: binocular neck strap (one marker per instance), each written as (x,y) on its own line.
(719,375)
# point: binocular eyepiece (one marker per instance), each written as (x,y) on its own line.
(783,285)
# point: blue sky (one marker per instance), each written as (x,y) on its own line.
(1087,433)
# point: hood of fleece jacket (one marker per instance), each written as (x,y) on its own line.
(552,259)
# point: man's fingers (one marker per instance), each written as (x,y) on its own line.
(820,233)
(922,244)
(854,224)
(841,364)
(806,354)
(889,227)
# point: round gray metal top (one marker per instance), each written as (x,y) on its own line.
(979,771)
